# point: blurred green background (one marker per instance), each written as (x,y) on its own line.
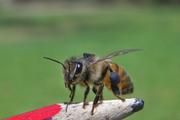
(29,31)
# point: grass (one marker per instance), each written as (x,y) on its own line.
(28,82)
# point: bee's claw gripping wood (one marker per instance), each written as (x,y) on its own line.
(108,110)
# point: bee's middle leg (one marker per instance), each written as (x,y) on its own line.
(96,99)
(101,96)
(85,94)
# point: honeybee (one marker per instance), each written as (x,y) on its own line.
(91,70)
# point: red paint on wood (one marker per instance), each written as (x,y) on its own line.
(45,113)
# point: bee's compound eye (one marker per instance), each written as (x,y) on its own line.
(78,68)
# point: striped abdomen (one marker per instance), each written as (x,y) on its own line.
(118,80)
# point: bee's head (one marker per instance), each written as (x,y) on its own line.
(73,71)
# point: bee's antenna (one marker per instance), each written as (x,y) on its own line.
(55,61)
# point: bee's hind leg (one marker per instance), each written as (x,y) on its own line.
(115,79)
(85,94)
(116,92)
(121,98)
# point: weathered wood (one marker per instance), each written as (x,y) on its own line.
(108,110)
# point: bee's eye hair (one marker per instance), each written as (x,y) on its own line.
(78,68)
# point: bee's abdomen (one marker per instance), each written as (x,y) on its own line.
(126,84)
(118,79)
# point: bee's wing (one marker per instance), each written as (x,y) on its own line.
(117,53)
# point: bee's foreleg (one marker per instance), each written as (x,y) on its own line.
(96,99)
(85,94)
(71,96)
(70,89)
(73,93)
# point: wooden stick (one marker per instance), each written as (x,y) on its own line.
(108,110)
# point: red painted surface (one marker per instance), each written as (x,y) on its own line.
(45,113)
